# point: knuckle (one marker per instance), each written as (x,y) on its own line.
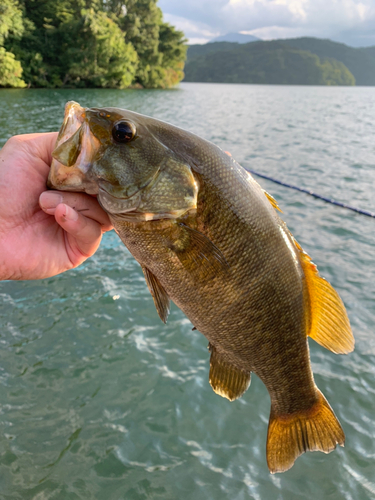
(15,140)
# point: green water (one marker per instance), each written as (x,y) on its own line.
(100,400)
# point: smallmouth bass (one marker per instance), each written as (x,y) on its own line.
(208,237)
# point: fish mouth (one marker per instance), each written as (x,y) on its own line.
(75,149)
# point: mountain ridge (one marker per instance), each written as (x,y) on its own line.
(303,61)
(235,38)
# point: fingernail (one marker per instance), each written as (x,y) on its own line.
(70,214)
(50,200)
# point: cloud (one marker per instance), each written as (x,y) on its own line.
(349,19)
(191,28)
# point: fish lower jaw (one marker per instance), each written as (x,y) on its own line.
(68,179)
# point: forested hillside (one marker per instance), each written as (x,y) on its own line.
(88,43)
(359,61)
(263,62)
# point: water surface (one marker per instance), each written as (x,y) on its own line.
(98,399)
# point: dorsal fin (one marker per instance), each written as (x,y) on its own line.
(272,200)
(226,379)
(328,322)
(161,299)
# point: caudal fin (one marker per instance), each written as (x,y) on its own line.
(314,429)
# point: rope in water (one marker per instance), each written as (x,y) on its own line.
(315,195)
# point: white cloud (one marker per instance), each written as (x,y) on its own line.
(205,19)
(296,7)
(198,41)
(196,32)
(277,32)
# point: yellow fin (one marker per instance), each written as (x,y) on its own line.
(272,200)
(161,299)
(328,322)
(226,379)
(314,429)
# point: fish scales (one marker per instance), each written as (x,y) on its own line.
(229,308)
(208,238)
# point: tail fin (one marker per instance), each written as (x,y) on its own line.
(314,429)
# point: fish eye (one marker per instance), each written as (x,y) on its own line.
(123,131)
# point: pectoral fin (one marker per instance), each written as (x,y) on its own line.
(161,299)
(328,322)
(226,379)
(198,254)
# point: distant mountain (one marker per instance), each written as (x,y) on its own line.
(359,61)
(303,61)
(235,38)
(263,62)
(369,50)
(200,50)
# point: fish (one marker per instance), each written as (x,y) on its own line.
(209,238)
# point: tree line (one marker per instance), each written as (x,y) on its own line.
(272,62)
(88,43)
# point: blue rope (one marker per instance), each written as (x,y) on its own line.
(315,195)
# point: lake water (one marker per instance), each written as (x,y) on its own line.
(100,400)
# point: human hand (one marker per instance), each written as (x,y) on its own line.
(42,233)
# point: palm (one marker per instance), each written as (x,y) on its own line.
(34,244)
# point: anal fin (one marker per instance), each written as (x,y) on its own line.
(328,322)
(161,299)
(226,379)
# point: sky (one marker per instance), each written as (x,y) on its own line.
(348,21)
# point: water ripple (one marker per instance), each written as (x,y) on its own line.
(100,400)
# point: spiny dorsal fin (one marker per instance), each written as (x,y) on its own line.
(272,200)
(161,299)
(226,379)
(311,429)
(197,253)
(328,322)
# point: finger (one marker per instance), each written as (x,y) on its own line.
(44,144)
(80,202)
(39,145)
(84,234)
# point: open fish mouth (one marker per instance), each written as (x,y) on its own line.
(76,147)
